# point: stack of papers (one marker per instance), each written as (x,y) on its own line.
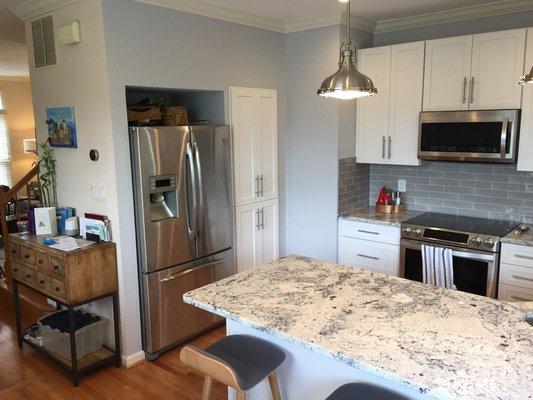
(65,243)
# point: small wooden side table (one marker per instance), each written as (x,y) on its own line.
(70,279)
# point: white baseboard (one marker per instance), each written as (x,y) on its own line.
(132,360)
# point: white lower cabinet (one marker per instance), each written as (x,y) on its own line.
(516,273)
(256,234)
(369,252)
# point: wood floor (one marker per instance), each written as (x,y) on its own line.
(27,375)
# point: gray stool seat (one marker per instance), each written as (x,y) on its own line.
(251,359)
(363,391)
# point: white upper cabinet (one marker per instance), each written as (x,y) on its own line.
(447,73)
(387,123)
(372,127)
(497,59)
(476,72)
(254,122)
(525,150)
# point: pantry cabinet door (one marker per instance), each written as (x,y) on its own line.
(497,61)
(268,213)
(248,241)
(246,146)
(407,78)
(372,112)
(447,73)
(525,150)
(267,136)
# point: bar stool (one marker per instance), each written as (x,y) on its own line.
(238,361)
(363,391)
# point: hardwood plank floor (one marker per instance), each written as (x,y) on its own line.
(27,375)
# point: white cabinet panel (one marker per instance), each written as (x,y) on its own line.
(247,247)
(374,256)
(513,293)
(372,122)
(267,133)
(370,232)
(525,150)
(497,61)
(517,255)
(269,229)
(407,78)
(447,73)
(517,276)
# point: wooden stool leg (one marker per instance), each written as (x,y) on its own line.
(274,387)
(208,385)
(241,395)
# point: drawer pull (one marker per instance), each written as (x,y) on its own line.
(365,256)
(522,278)
(41,282)
(58,289)
(56,267)
(28,276)
(524,257)
(369,232)
(519,298)
(40,261)
(26,256)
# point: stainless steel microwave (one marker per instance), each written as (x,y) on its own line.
(474,136)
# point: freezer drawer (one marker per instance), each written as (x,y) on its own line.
(168,320)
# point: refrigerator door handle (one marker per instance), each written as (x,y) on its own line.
(192,220)
(200,185)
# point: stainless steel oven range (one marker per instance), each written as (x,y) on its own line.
(475,245)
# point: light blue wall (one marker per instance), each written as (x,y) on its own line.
(489,24)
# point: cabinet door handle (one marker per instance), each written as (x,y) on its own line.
(383,148)
(365,256)
(390,147)
(262,185)
(519,298)
(369,232)
(522,278)
(524,257)
(262,218)
(465,82)
(257,216)
(257,186)
(472,83)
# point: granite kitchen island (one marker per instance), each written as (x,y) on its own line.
(340,324)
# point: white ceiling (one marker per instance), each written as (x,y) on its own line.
(373,10)
(13,53)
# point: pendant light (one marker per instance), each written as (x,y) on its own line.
(527,78)
(347,83)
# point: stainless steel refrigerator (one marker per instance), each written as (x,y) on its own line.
(184,223)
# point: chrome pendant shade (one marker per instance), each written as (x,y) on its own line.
(527,78)
(347,83)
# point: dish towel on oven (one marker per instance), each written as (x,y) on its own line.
(437,266)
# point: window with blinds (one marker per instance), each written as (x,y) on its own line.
(5,151)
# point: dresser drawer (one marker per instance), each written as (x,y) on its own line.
(18,271)
(42,261)
(372,232)
(44,282)
(29,275)
(27,254)
(516,275)
(377,257)
(57,267)
(517,255)
(58,289)
(15,251)
(513,293)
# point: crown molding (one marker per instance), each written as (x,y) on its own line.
(321,21)
(455,15)
(28,9)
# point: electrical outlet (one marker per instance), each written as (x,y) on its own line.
(98,193)
(402,185)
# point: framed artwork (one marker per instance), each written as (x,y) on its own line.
(61,127)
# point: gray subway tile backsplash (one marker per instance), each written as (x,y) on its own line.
(353,185)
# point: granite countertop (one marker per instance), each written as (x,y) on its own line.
(369,215)
(524,239)
(444,343)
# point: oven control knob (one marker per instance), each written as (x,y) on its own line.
(489,243)
(417,232)
(477,241)
(407,231)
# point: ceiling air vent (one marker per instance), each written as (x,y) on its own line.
(44,48)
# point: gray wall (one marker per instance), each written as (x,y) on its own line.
(489,24)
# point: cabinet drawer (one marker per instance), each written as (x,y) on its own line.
(29,275)
(57,267)
(513,293)
(377,257)
(516,275)
(59,289)
(18,271)
(372,232)
(15,251)
(517,255)
(42,261)
(44,282)
(27,254)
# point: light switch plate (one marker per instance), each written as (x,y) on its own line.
(98,193)
(402,185)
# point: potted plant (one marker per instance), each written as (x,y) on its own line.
(47,175)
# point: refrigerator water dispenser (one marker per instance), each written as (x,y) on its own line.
(163,198)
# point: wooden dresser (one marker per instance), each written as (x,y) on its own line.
(71,279)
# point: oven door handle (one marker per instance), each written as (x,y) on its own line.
(456,251)
(503,138)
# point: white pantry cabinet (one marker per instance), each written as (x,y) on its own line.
(387,123)
(525,150)
(476,72)
(257,234)
(254,122)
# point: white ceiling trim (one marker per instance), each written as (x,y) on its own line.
(321,21)
(28,9)
(455,15)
